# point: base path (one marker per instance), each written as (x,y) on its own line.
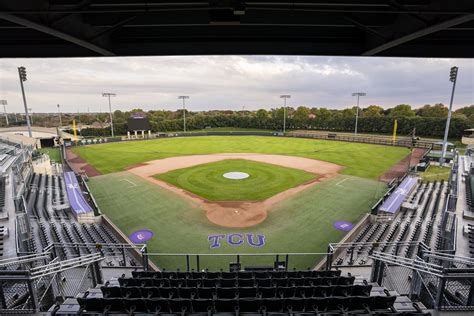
(236,213)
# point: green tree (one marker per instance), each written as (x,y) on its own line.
(261,115)
(349,113)
(372,111)
(301,115)
(437,110)
(402,110)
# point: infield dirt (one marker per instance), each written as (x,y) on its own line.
(238,213)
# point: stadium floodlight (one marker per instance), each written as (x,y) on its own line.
(109,95)
(284,97)
(184,97)
(4,103)
(358,94)
(22,75)
(453,75)
(59,113)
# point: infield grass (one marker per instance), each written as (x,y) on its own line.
(363,160)
(264,180)
(301,224)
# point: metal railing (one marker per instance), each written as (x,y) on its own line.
(360,253)
(32,283)
(216,262)
(439,280)
(121,255)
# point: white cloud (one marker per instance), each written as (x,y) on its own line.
(230,82)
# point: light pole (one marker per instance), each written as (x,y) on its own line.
(184,97)
(284,97)
(453,75)
(109,95)
(358,94)
(4,103)
(22,75)
(30,110)
(59,113)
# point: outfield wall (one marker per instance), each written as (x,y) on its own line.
(321,136)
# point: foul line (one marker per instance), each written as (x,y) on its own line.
(132,183)
(340,182)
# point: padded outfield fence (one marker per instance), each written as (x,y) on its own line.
(376,140)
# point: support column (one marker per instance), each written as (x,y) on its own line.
(136,135)
(128,134)
(329,259)
(470,296)
(33,294)
(439,294)
(143,134)
(145,258)
(149,133)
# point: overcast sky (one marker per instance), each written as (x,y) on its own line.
(232,82)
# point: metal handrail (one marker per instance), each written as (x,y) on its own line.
(238,254)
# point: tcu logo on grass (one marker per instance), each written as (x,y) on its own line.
(236,239)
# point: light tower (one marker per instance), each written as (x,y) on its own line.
(22,75)
(284,97)
(59,114)
(358,94)
(453,75)
(109,95)
(4,103)
(184,97)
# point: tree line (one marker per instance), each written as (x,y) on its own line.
(428,120)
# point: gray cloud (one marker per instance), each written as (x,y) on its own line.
(231,82)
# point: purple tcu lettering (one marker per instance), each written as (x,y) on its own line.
(260,240)
(215,240)
(237,239)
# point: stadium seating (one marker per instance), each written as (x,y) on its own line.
(2,233)
(235,293)
(2,194)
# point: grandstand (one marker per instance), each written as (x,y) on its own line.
(411,254)
(411,260)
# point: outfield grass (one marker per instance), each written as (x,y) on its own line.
(302,223)
(207,180)
(363,160)
(53,153)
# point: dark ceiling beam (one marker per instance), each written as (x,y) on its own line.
(420,33)
(365,28)
(111,29)
(248,8)
(56,33)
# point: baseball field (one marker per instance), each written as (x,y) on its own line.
(295,194)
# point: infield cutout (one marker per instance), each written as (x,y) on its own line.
(236,213)
(235,175)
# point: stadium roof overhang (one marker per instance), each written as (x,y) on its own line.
(80,28)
